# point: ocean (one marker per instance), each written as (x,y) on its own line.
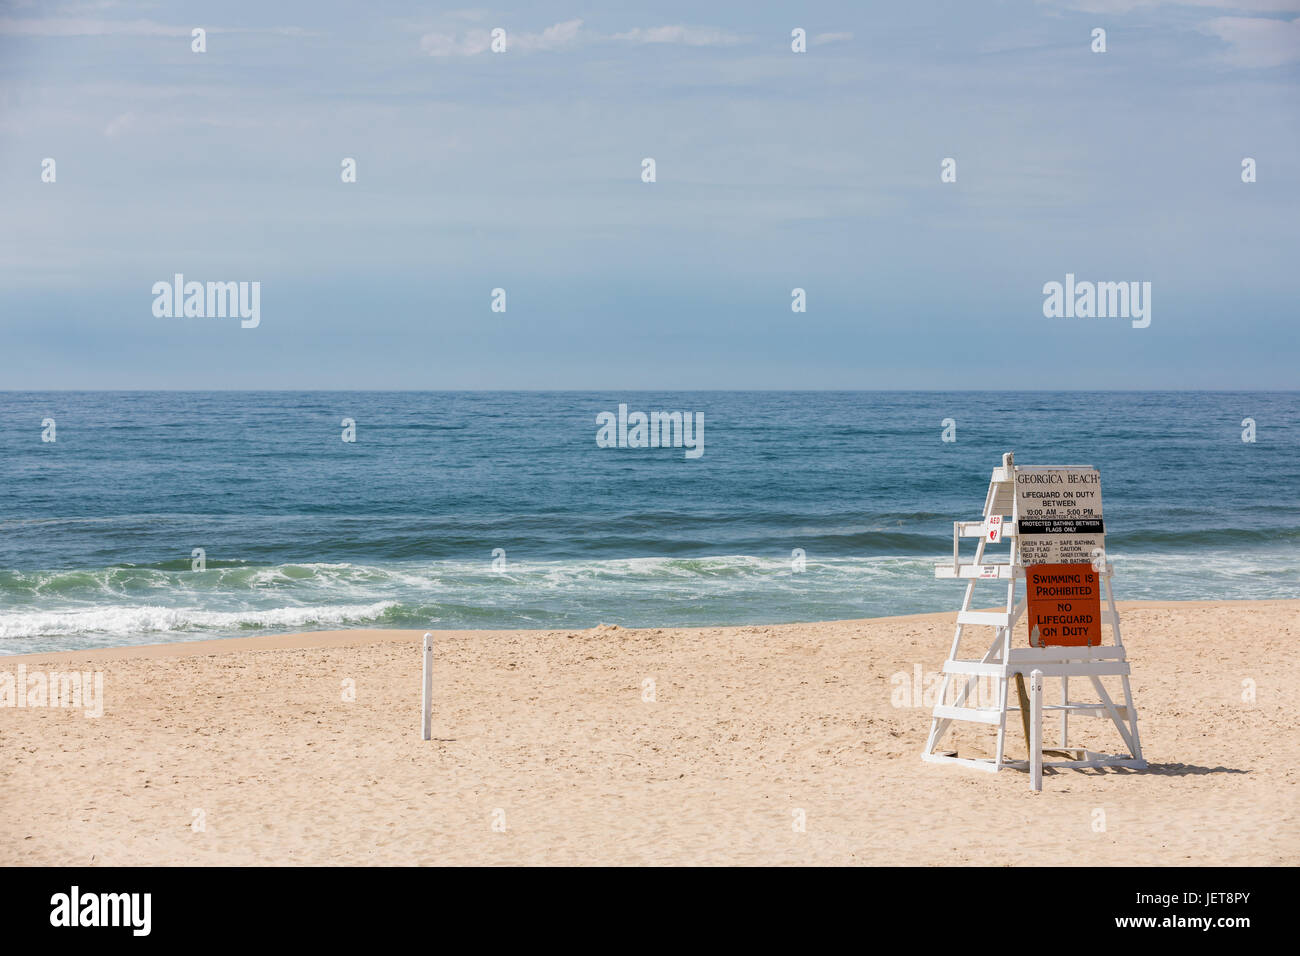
(502,510)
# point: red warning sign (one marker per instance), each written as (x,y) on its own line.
(1064,603)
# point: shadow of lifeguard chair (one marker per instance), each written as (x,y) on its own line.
(1002,662)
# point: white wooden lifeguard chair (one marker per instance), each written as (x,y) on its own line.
(1003,662)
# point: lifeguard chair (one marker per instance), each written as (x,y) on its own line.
(1092,662)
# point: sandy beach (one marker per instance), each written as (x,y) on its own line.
(248,751)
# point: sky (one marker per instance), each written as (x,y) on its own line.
(775,170)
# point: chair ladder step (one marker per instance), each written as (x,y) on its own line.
(979,715)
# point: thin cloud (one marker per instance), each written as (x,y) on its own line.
(89,27)
(1253,42)
(824,38)
(1128,6)
(119,125)
(552,38)
(689,36)
(474,42)
(1257,42)
(448,44)
(85,27)
(568,33)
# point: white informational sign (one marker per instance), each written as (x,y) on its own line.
(1058,514)
(994,529)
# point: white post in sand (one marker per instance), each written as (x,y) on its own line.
(426,701)
(1036,730)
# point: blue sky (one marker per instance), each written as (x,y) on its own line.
(775,170)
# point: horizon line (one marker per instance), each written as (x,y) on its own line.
(540,391)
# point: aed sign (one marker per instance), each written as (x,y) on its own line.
(1064,603)
(994,526)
